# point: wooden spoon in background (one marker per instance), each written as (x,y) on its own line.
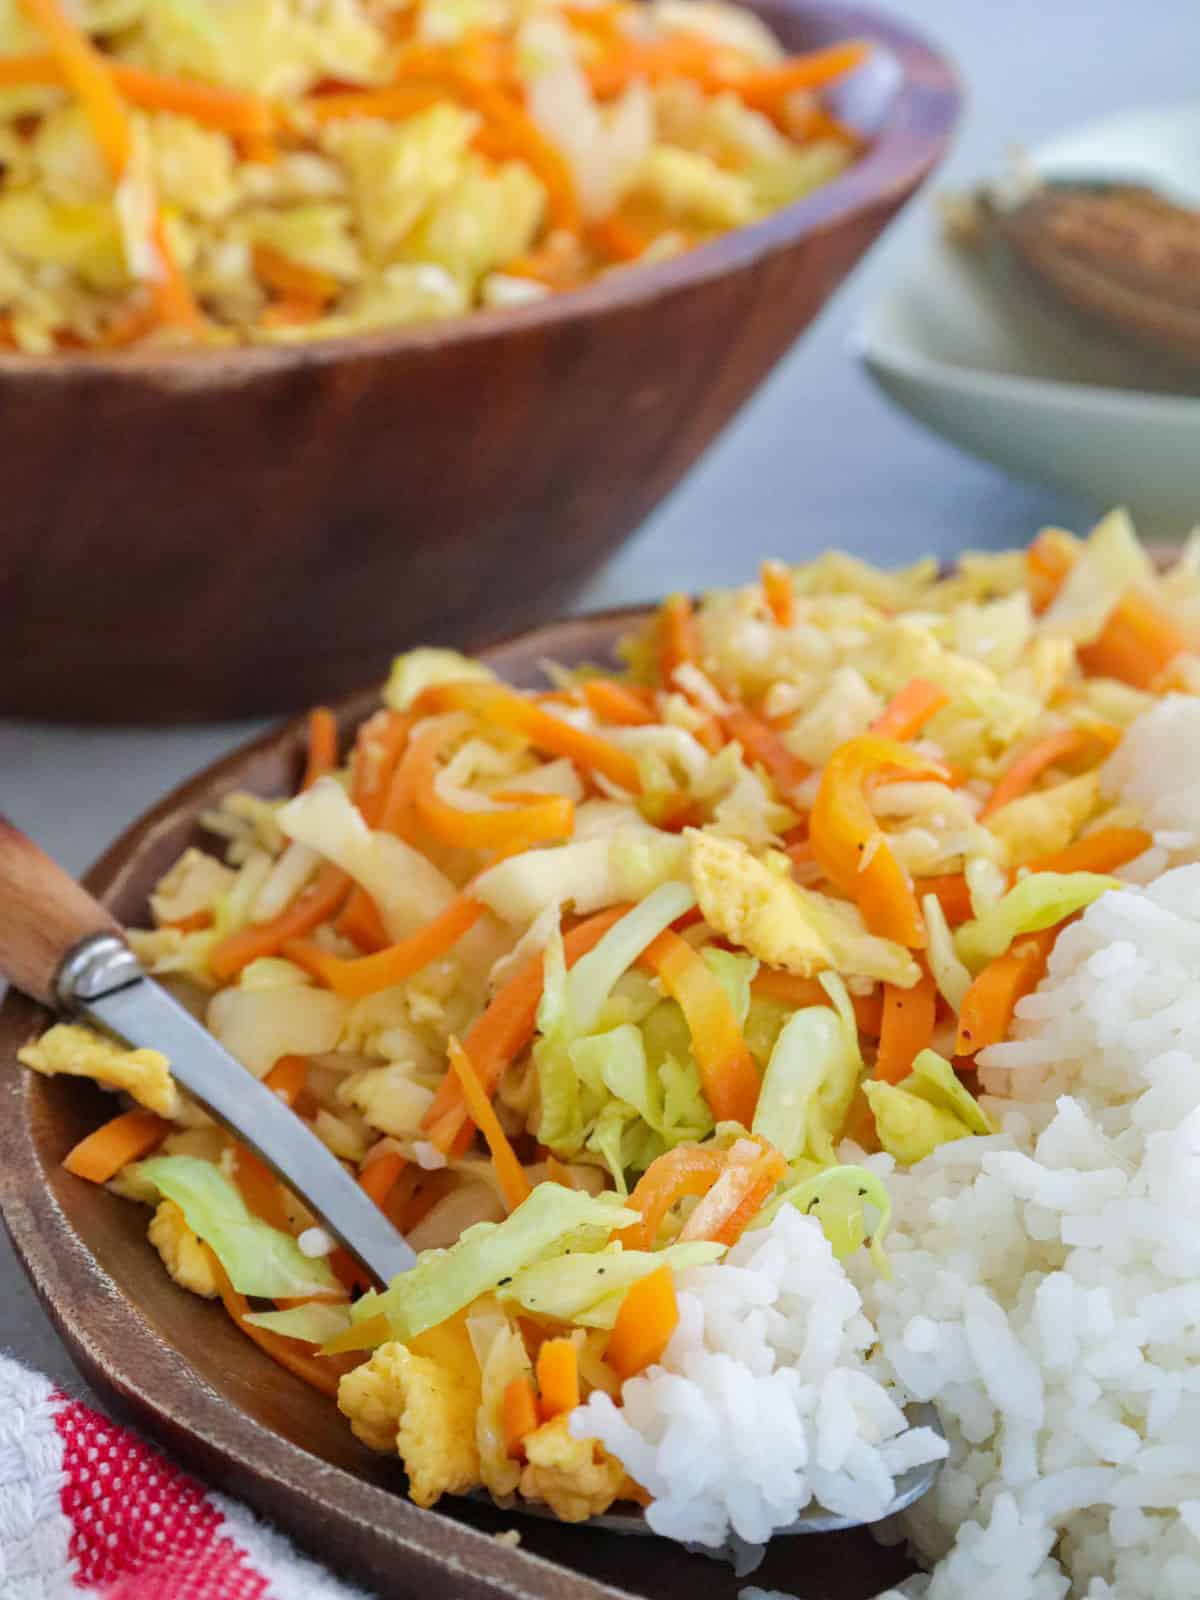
(1120,253)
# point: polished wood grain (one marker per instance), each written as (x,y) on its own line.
(209,535)
(184,1373)
(43,913)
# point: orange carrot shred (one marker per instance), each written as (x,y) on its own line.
(1063,745)
(908,712)
(317,904)
(557,1378)
(519,1415)
(952,894)
(364,975)
(780,596)
(127,1137)
(616,703)
(322,746)
(908,1020)
(514,1185)
(728,1075)
(648,1317)
(320,1372)
(378,1178)
(498,1036)
(288,1078)
(679,642)
(989,1003)
(1102,851)
(557,1173)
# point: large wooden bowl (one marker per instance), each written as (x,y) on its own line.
(203,535)
(180,1368)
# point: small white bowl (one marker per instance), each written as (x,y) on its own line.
(973,348)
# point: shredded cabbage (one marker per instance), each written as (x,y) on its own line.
(258,1259)
(258,1024)
(550,1222)
(805,1054)
(314,1324)
(935,1080)
(1110,564)
(951,976)
(406,887)
(838,1198)
(588,1289)
(1037,901)
(587,874)
(417,670)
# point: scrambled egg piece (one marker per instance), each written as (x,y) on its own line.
(421,1401)
(577,1478)
(908,1127)
(144,1074)
(1040,823)
(761,911)
(184,1257)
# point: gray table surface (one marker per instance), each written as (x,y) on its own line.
(817,458)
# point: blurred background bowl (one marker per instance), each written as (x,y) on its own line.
(202,535)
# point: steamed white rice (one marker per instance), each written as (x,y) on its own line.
(1045,1296)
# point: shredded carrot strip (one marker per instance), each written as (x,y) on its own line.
(765,89)
(518,135)
(728,1075)
(648,1317)
(393,104)
(686,1171)
(780,596)
(317,904)
(377,750)
(378,1179)
(557,1173)
(791,990)
(361,923)
(498,1036)
(732,1205)
(1137,646)
(1138,642)
(258,1185)
(124,1138)
(196,922)
(908,712)
(682,55)
(989,1003)
(616,702)
(1102,851)
(1064,745)
(908,1019)
(495,703)
(514,1185)
(366,975)
(763,747)
(321,1372)
(288,1078)
(85,72)
(381,742)
(227,110)
(952,894)
(288,277)
(616,238)
(172,297)
(322,746)
(541,820)
(557,1378)
(679,641)
(519,1415)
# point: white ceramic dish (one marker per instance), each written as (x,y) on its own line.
(968,344)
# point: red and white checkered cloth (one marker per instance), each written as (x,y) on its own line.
(87,1508)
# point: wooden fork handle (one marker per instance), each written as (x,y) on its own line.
(43,914)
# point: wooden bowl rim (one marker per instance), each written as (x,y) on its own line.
(122,1354)
(905,149)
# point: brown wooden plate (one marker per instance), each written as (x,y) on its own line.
(179,1368)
